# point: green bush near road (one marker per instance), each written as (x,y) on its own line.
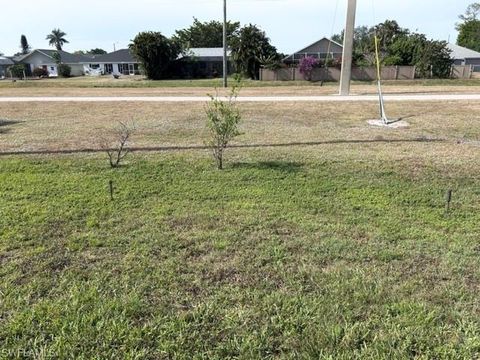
(64,70)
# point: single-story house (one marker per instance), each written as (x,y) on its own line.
(120,62)
(319,49)
(4,64)
(464,56)
(204,62)
(196,62)
(45,58)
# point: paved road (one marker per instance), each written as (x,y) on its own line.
(327,98)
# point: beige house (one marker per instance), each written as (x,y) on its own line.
(319,49)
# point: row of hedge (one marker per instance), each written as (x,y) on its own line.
(23,70)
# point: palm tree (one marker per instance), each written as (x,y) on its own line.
(57,38)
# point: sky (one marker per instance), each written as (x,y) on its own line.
(290,24)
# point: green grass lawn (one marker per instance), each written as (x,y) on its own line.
(279,256)
(141,82)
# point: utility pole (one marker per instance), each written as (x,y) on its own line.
(225,59)
(346,74)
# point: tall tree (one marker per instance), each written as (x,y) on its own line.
(97,51)
(57,39)
(430,57)
(205,34)
(398,46)
(472,12)
(364,41)
(155,53)
(387,32)
(469,28)
(24,45)
(250,48)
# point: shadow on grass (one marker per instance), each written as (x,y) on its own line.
(5,125)
(281,166)
(239,146)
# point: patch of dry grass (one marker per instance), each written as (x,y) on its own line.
(67,126)
(138,86)
(305,90)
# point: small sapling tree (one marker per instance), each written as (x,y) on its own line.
(116,146)
(223,119)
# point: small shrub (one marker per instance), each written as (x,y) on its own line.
(306,66)
(223,118)
(116,145)
(64,70)
(17,71)
(40,72)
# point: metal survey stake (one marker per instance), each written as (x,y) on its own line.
(448,200)
(110,183)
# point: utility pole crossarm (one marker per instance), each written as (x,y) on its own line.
(346,74)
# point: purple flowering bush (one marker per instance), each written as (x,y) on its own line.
(306,66)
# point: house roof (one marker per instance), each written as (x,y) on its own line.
(460,52)
(207,52)
(303,50)
(204,54)
(5,61)
(119,56)
(67,58)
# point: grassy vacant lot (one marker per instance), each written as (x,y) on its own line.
(140,81)
(131,86)
(328,250)
(76,126)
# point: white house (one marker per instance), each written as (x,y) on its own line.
(120,62)
(45,58)
(197,62)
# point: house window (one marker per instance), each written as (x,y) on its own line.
(94,66)
(108,68)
